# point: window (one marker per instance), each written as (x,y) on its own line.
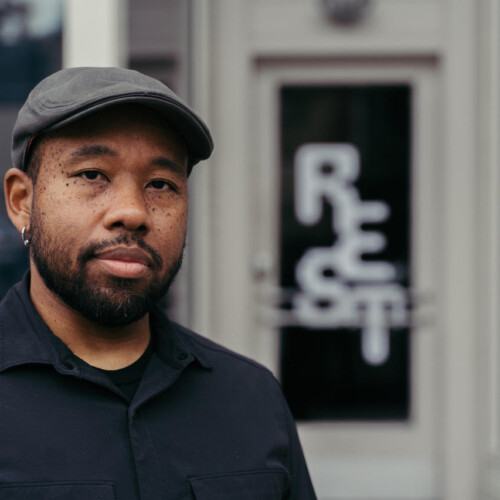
(345,240)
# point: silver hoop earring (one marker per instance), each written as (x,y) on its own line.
(26,237)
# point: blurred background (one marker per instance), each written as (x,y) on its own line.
(345,232)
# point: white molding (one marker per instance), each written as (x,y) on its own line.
(489,192)
(95,33)
(490,481)
(389,27)
(200,191)
(230,171)
(410,479)
(459,257)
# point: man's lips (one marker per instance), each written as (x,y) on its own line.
(125,254)
(124,262)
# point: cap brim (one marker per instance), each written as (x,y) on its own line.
(194,132)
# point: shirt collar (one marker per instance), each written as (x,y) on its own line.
(25,338)
(23,334)
(173,342)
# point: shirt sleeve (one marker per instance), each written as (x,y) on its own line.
(301,487)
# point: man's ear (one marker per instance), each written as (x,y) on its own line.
(18,196)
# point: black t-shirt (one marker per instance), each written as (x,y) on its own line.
(127,379)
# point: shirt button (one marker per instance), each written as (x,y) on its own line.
(68,365)
(182,356)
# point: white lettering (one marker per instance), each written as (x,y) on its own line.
(337,287)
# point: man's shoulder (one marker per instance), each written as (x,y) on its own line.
(219,356)
(234,379)
(16,316)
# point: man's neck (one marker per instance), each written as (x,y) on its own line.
(109,348)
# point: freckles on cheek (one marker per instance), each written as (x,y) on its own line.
(172,223)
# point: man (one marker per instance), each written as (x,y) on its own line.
(101,396)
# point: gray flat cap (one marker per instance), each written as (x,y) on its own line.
(71,94)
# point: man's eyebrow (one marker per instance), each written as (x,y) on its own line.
(89,151)
(96,150)
(164,162)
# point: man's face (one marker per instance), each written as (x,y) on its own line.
(109,213)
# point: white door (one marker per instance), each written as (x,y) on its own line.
(359,446)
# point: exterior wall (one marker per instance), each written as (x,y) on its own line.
(456,42)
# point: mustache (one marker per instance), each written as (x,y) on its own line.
(89,251)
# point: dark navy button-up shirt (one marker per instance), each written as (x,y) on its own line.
(204,423)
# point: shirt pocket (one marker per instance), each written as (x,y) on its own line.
(249,485)
(57,491)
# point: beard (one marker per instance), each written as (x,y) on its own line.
(107,300)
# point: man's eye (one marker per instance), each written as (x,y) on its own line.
(90,175)
(161,184)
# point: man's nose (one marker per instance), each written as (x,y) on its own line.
(127,209)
